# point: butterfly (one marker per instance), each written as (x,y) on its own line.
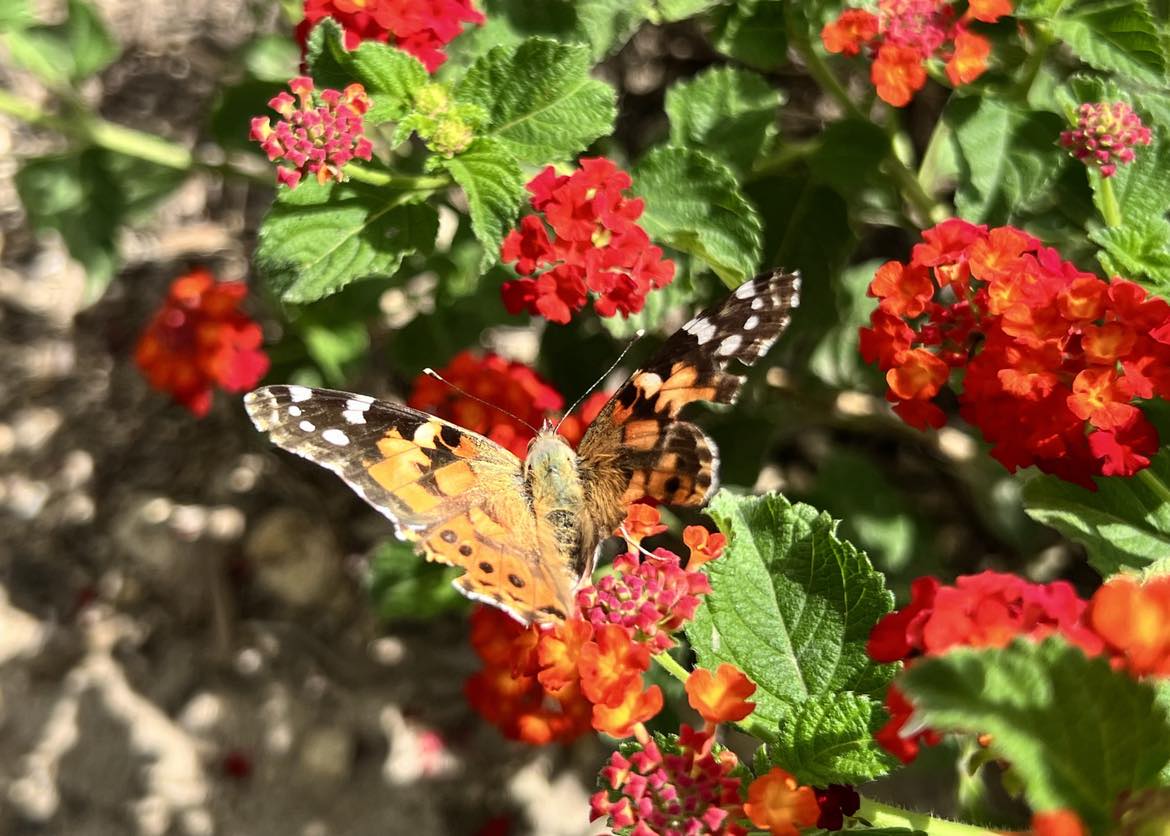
(526,532)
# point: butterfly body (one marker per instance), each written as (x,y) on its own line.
(526,531)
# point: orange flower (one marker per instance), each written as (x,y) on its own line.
(918,376)
(1108,343)
(721,698)
(969,59)
(641,521)
(1134,620)
(611,664)
(849,32)
(1058,823)
(903,288)
(705,546)
(998,256)
(558,651)
(1098,399)
(989,11)
(897,73)
(778,804)
(638,706)
(1084,299)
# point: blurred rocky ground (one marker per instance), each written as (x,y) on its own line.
(185,643)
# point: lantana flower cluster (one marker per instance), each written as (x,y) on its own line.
(1127,621)
(1105,136)
(552,683)
(200,340)
(596,246)
(1053,359)
(906,34)
(508,384)
(420,27)
(317,134)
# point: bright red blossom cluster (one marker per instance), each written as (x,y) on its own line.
(1105,136)
(511,385)
(200,340)
(596,246)
(317,133)
(905,34)
(1127,621)
(1053,358)
(420,27)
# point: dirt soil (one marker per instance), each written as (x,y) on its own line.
(185,645)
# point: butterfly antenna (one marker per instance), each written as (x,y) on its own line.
(467,394)
(637,336)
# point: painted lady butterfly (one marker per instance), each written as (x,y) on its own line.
(526,531)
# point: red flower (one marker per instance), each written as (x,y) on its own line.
(200,340)
(905,34)
(641,521)
(897,73)
(720,697)
(705,545)
(689,789)
(510,385)
(850,32)
(892,736)
(596,247)
(318,134)
(779,804)
(1106,135)
(836,801)
(420,27)
(969,59)
(1058,823)
(1051,359)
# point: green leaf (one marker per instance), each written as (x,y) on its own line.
(491,178)
(694,204)
(752,31)
(90,44)
(729,113)
(403,586)
(672,10)
(273,58)
(791,606)
(68,52)
(86,197)
(1136,253)
(1124,524)
(14,14)
(1117,36)
(1007,157)
(541,103)
(607,24)
(389,75)
(1076,732)
(830,741)
(318,238)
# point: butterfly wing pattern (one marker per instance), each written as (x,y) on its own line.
(637,447)
(453,493)
(465,501)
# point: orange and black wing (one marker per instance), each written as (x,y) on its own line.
(459,497)
(637,447)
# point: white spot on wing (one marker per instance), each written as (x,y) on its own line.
(353,416)
(757,303)
(294,411)
(299,393)
(308,426)
(335,436)
(751,322)
(729,345)
(358,404)
(745,291)
(702,329)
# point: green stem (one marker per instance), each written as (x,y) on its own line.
(1110,210)
(886,815)
(668,664)
(1042,41)
(928,209)
(1155,484)
(386,179)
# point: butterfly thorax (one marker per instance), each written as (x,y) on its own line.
(552,481)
